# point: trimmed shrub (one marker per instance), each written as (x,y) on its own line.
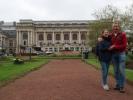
(18,61)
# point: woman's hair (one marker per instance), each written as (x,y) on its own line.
(103,32)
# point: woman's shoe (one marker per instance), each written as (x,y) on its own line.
(106,87)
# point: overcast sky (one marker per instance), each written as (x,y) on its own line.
(13,10)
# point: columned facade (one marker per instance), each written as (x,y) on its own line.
(52,36)
(3,41)
(8,37)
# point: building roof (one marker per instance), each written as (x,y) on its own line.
(57,21)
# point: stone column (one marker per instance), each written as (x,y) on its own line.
(87,35)
(44,37)
(33,38)
(17,37)
(20,38)
(62,37)
(70,37)
(20,41)
(28,38)
(53,38)
(74,48)
(16,41)
(58,49)
(79,37)
(36,38)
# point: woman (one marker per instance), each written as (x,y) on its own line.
(104,56)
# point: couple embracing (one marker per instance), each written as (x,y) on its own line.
(111,47)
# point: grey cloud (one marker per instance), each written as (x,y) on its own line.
(54,9)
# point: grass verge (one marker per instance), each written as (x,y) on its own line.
(10,71)
(96,63)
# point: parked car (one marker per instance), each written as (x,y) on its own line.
(49,52)
(40,53)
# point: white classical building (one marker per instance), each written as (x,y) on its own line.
(51,36)
(3,40)
(8,36)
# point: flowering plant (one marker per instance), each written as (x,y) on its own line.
(18,61)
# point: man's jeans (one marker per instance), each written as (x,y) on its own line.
(104,69)
(118,60)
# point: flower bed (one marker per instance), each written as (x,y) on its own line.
(18,61)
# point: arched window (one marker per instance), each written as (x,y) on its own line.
(83,37)
(57,36)
(66,36)
(49,37)
(25,36)
(40,37)
(74,36)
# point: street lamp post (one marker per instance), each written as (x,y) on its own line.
(2,47)
(30,48)
(30,54)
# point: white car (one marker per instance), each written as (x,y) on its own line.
(48,52)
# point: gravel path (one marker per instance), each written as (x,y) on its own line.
(63,80)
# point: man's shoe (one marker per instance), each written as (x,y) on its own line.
(122,90)
(116,88)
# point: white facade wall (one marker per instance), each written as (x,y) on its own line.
(34,28)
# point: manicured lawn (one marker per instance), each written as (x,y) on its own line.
(10,71)
(95,62)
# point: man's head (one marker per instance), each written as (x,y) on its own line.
(116,27)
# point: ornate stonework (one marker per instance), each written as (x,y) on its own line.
(51,36)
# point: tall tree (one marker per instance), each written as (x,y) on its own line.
(104,19)
(108,13)
(96,28)
(127,19)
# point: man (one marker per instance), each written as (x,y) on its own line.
(118,48)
